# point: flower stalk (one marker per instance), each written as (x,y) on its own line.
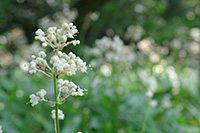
(59,63)
(56,106)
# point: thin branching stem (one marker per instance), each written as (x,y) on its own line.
(44,73)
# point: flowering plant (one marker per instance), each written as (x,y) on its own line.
(60,63)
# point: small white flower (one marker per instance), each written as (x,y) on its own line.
(75,42)
(60,54)
(59,31)
(54,59)
(51,30)
(24,66)
(1,131)
(153,103)
(80,91)
(33,56)
(65,26)
(44,44)
(32,67)
(32,64)
(60,114)
(72,55)
(41,93)
(74,93)
(63,39)
(34,99)
(42,54)
(39,32)
(51,38)
(149,93)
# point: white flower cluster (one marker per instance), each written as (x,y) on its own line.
(38,97)
(67,64)
(60,114)
(38,63)
(60,63)
(57,38)
(112,50)
(68,88)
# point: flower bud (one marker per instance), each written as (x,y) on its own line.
(66,57)
(39,32)
(33,56)
(60,54)
(44,44)
(44,62)
(51,30)
(70,62)
(51,38)
(60,81)
(38,60)
(69,73)
(71,55)
(54,59)
(70,24)
(59,31)
(76,42)
(63,39)
(42,54)
(32,64)
(65,26)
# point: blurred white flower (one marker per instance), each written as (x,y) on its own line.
(112,50)
(106,69)
(153,57)
(134,32)
(94,16)
(24,65)
(149,93)
(6,59)
(176,44)
(195,34)
(166,102)
(60,114)
(3,39)
(158,68)
(153,103)
(145,45)
(149,81)
(139,8)
(1,131)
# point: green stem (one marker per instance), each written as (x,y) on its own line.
(146,116)
(114,113)
(56,106)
